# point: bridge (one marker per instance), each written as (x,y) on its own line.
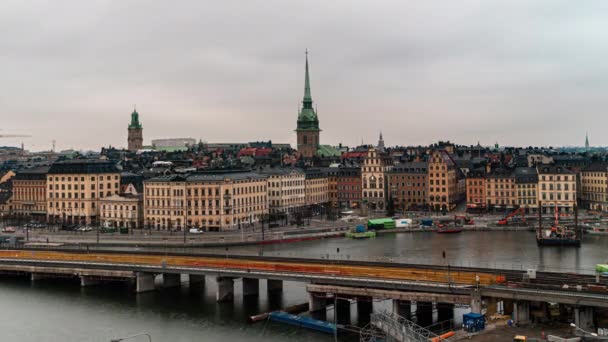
(327,280)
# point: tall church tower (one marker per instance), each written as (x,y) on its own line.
(135,139)
(587,141)
(308,122)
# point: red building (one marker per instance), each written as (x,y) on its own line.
(349,187)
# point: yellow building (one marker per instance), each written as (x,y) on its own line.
(122,211)
(556,188)
(75,187)
(501,192)
(443,179)
(373,179)
(316,187)
(286,190)
(29,193)
(526,184)
(210,201)
(594,186)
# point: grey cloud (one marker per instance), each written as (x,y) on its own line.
(518,71)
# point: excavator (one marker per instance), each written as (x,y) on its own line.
(511,215)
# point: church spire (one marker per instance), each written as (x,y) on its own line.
(307,101)
(587,140)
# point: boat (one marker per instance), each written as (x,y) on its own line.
(302,321)
(449,230)
(558,235)
(360,235)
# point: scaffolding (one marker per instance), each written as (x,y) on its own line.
(390,327)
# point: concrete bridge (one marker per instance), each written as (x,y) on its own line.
(430,287)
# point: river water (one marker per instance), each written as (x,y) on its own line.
(60,311)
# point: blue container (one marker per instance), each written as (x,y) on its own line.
(473,322)
(360,228)
(426,222)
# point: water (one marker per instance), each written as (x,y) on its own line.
(61,311)
(503,249)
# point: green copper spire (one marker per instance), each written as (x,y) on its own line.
(307,118)
(135,124)
(307,96)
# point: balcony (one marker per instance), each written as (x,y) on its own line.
(227,196)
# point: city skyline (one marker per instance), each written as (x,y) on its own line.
(395,70)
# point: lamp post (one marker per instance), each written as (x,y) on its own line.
(132,336)
(583,331)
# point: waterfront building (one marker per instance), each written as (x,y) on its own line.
(29,193)
(122,211)
(373,179)
(135,138)
(594,186)
(526,183)
(75,188)
(332,184)
(476,189)
(349,187)
(501,192)
(211,201)
(307,131)
(556,187)
(286,189)
(407,184)
(444,192)
(316,187)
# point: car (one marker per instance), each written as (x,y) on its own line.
(85,229)
(9,230)
(195,231)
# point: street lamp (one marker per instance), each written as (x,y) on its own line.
(132,336)
(584,331)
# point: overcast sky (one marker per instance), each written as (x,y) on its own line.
(517,72)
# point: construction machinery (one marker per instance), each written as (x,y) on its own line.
(510,217)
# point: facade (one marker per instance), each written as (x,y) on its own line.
(6,203)
(556,188)
(135,138)
(122,211)
(209,201)
(373,179)
(594,186)
(349,187)
(501,192)
(316,187)
(476,189)
(332,183)
(526,183)
(286,190)
(307,130)
(29,193)
(75,187)
(443,181)
(407,184)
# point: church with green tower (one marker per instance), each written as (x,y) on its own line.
(308,123)
(135,139)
